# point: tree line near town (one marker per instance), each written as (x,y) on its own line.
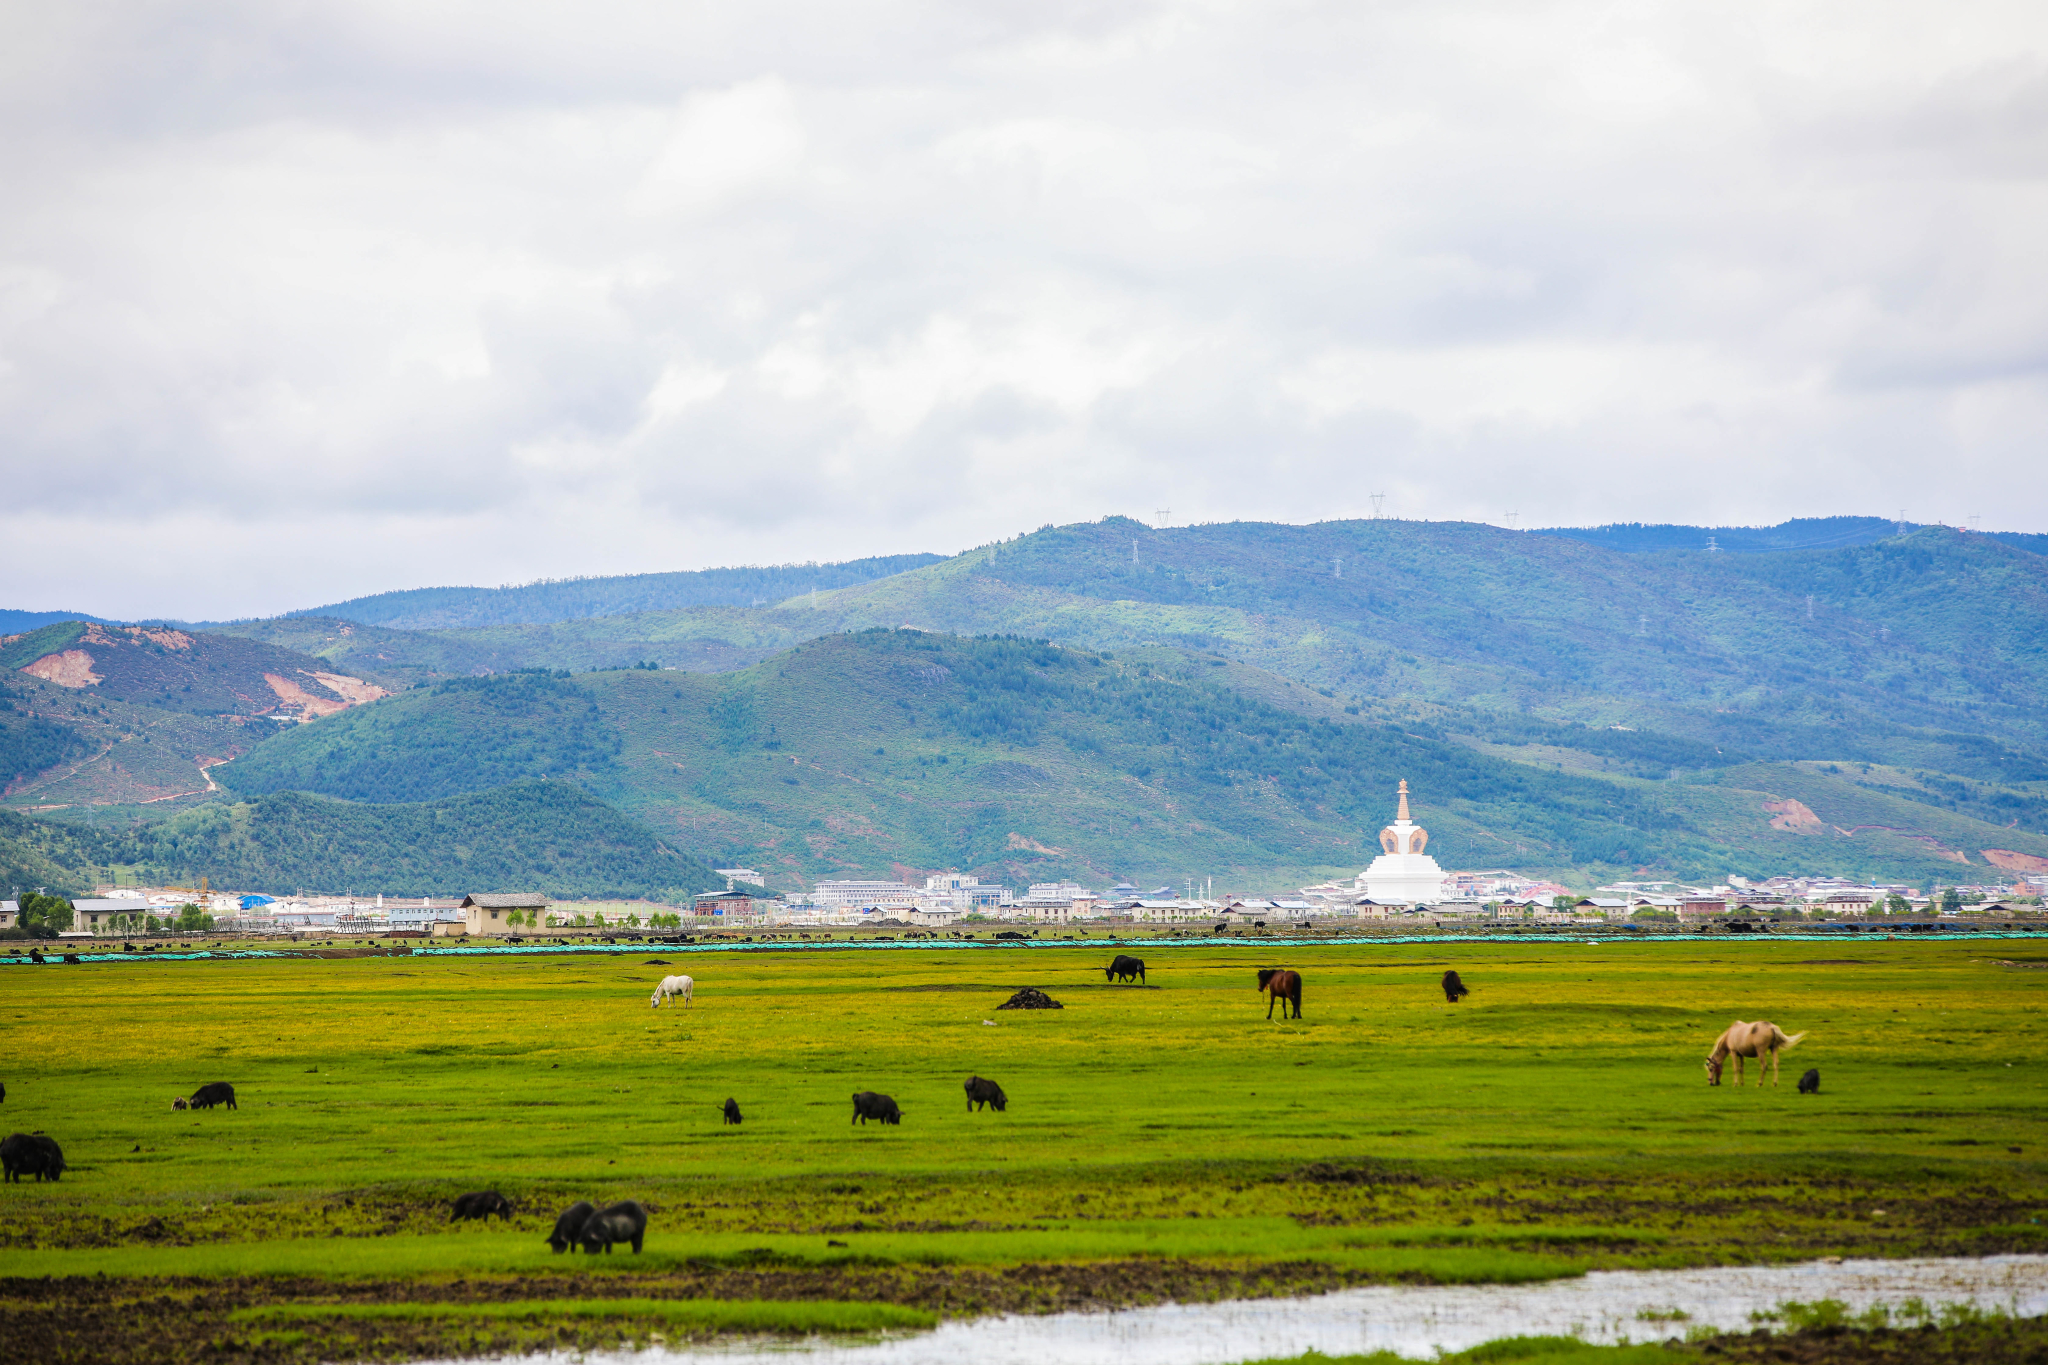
(1093,700)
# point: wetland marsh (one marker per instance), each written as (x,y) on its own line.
(1163,1142)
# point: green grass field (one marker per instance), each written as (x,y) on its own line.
(1555,1121)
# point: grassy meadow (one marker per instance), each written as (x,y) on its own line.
(1557,1120)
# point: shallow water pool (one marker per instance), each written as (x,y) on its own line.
(1607,1306)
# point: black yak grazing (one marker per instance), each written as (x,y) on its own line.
(868,1105)
(482,1205)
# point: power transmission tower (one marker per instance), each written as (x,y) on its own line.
(1339,562)
(1511,518)
(1377,499)
(1164,514)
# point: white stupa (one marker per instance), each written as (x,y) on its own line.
(1404,874)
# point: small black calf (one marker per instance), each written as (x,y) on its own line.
(731,1110)
(1809,1084)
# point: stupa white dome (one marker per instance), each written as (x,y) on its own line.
(1403,874)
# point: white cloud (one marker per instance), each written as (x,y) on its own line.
(363,296)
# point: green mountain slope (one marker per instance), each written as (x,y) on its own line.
(537,835)
(702,640)
(98,715)
(30,744)
(1693,689)
(1924,648)
(890,749)
(463,735)
(569,599)
(195,673)
(1937,629)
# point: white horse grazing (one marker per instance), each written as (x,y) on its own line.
(672,986)
(1762,1040)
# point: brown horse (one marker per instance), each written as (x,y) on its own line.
(1762,1040)
(1283,984)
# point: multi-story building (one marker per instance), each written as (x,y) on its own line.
(962,892)
(860,895)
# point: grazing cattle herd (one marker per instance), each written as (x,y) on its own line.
(595,1230)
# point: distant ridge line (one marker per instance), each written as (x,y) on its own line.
(572,599)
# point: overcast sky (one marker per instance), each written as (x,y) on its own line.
(304,301)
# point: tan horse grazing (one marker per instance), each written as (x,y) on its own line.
(1762,1040)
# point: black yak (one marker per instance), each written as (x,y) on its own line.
(731,1110)
(31,1154)
(1125,968)
(569,1225)
(1809,1084)
(482,1205)
(868,1105)
(624,1221)
(212,1093)
(1454,989)
(982,1091)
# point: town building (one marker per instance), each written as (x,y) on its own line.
(962,894)
(860,895)
(738,906)
(1404,873)
(492,914)
(1147,910)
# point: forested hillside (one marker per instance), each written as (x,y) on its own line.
(855,754)
(542,836)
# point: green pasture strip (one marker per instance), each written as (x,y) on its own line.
(1466,1257)
(691,1315)
(1565,1093)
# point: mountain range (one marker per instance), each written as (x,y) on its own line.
(1108,699)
